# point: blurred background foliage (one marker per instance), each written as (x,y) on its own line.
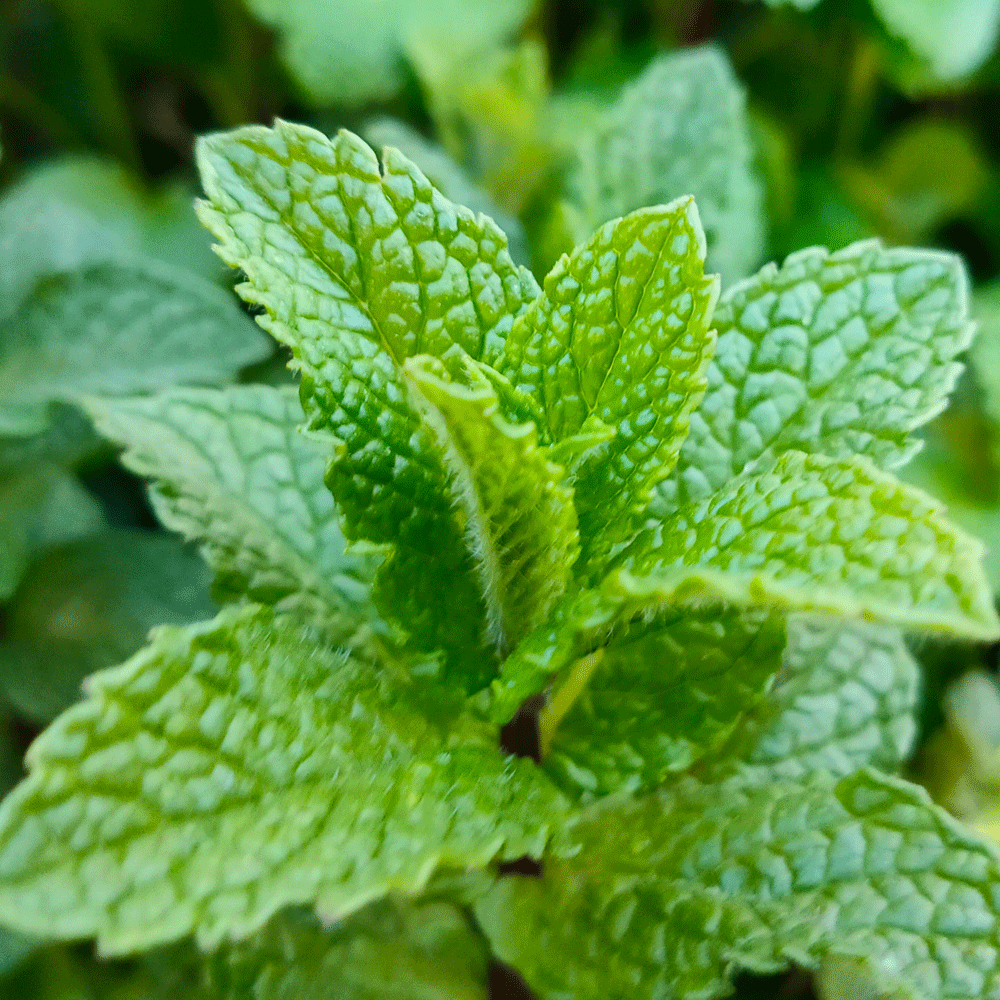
(794,123)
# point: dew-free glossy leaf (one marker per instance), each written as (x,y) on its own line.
(843,353)
(358,268)
(846,699)
(233,472)
(669,893)
(680,129)
(810,533)
(520,524)
(236,767)
(113,329)
(621,333)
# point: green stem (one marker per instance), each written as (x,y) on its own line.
(19,100)
(102,86)
(564,699)
(859,95)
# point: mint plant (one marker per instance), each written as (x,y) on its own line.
(667,517)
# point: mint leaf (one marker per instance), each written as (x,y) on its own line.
(953,37)
(233,472)
(353,53)
(810,533)
(520,524)
(40,505)
(115,329)
(122,218)
(620,333)
(397,951)
(448,177)
(680,129)
(669,893)
(846,699)
(660,696)
(840,353)
(90,604)
(236,767)
(358,269)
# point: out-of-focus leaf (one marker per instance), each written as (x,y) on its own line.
(114,329)
(80,209)
(90,604)
(492,115)
(680,129)
(985,353)
(351,52)
(387,951)
(954,37)
(929,172)
(40,505)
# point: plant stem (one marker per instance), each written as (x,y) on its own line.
(564,699)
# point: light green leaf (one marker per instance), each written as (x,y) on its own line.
(386,952)
(669,893)
(79,210)
(448,177)
(113,329)
(621,333)
(348,54)
(846,699)
(233,472)
(492,111)
(840,354)
(810,533)
(359,268)
(662,694)
(240,766)
(680,129)
(954,37)
(520,524)
(90,604)
(40,505)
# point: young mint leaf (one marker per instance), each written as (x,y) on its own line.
(115,329)
(233,472)
(352,53)
(660,696)
(621,332)
(680,129)
(397,951)
(670,892)
(520,524)
(841,354)
(846,699)
(40,505)
(358,269)
(810,533)
(87,605)
(236,767)
(448,177)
